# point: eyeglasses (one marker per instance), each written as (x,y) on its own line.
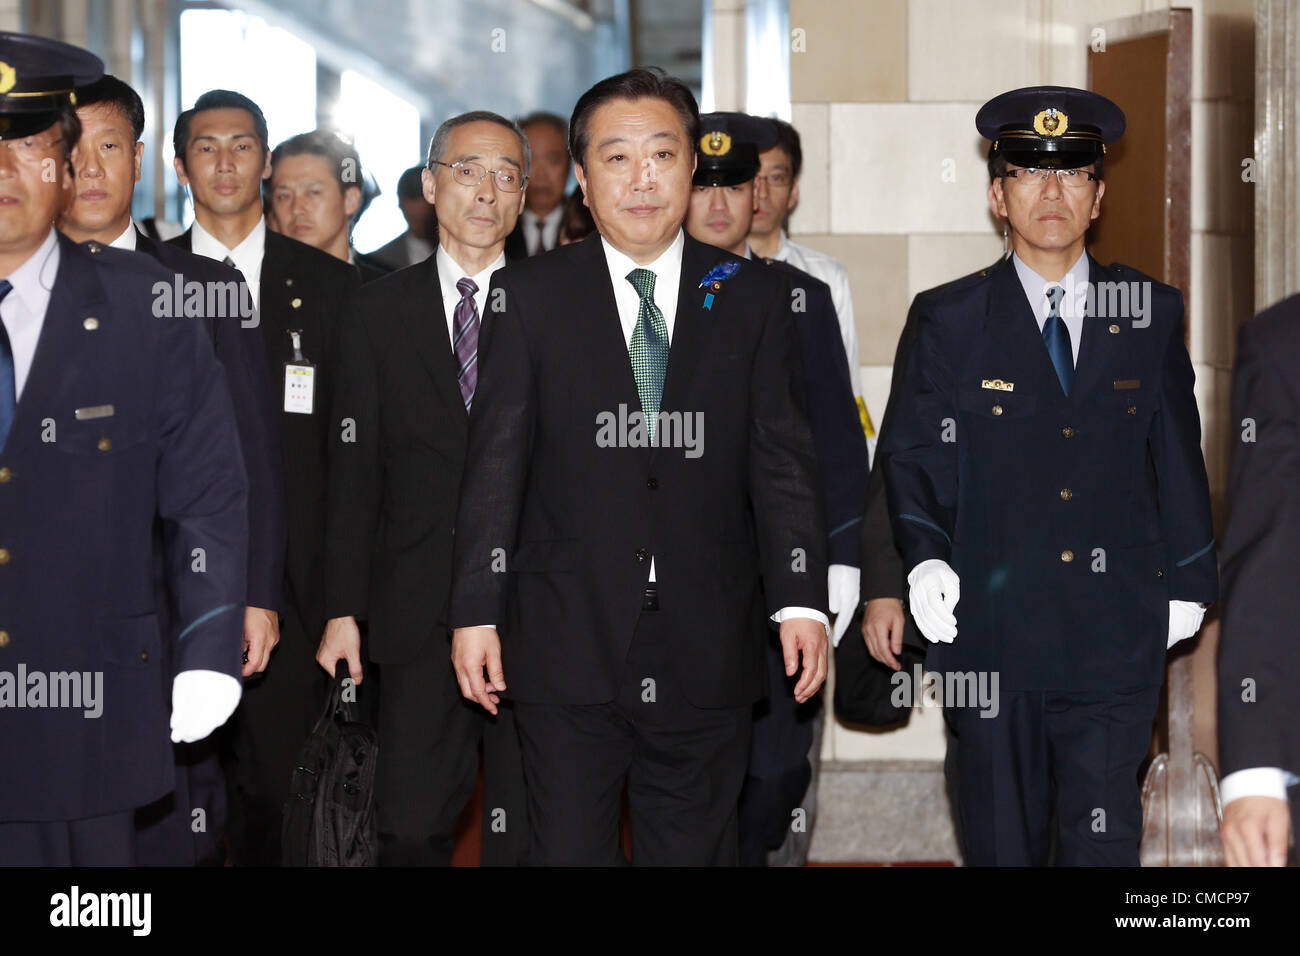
(471,174)
(1033,176)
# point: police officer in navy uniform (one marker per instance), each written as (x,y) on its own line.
(1048,494)
(109,418)
(786,743)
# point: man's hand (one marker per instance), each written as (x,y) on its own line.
(842,583)
(803,635)
(341,641)
(474,649)
(1256,831)
(935,590)
(201,702)
(1184,620)
(882,627)
(261,634)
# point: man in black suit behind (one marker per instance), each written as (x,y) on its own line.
(615,553)
(406,384)
(300,294)
(1259,652)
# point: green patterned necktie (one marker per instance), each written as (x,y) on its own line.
(649,348)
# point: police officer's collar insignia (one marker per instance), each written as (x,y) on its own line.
(8,77)
(1051,122)
(716,143)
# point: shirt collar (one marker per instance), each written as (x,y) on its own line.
(1075,284)
(127,240)
(450,272)
(203,243)
(34,279)
(667,268)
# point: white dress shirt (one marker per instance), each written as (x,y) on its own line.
(547,227)
(127,239)
(247,256)
(23,309)
(449,273)
(831,271)
(1075,287)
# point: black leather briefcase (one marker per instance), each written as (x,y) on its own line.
(864,686)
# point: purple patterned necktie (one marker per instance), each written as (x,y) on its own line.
(465,342)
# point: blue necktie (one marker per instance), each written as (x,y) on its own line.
(8,384)
(1057,338)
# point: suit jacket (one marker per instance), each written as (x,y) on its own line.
(369,269)
(1071,521)
(307,290)
(79,494)
(243,357)
(516,243)
(832,413)
(1259,643)
(395,481)
(394,254)
(573,513)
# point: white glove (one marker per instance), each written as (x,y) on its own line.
(935,590)
(842,583)
(1184,620)
(201,702)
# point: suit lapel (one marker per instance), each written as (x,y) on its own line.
(1097,345)
(691,326)
(426,329)
(1012,319)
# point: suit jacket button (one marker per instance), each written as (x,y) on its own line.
(1160,572)
(5,475)
(1067,432)
(652,483)
(1066,494)
(641,554)
(104,444)
(1132,409)
(997,409)
(4,638)
(144,655)
(4,555)
(1067,555)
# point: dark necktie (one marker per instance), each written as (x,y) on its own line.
(648,348)
(465,340)
(1057,338)
(8,381)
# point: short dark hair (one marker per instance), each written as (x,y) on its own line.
(69,132)
(787,138)
(651,82)
(998,164)
(438,145)
(543,118)
(410,185)
(339,155)
(108,90)
(217,100)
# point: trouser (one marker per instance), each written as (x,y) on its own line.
(683,767)
(1073,754)
(429,737)
(261,742)
(94,841)
(778,800)
(187,827)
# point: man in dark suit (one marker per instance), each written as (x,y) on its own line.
(616,556)
(1043,465)
(112,418)
(784,751)
(300,294)
(107,169)
(1259,653)
(406,385)
(421,236)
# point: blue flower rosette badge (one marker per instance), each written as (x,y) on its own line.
(716,276)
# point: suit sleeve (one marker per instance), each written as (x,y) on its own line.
(1259,648)
(203,501)
(1182,487)
(836,429)
(496,463)
(355,472)
(243,355)
(920,457)
(784,481)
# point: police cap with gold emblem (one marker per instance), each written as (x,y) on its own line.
(37,79)
(1052,127)
(727,152)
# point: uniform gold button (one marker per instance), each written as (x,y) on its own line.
(4,638)
(104,444)
(1132,409)
(997,409)
(90,324)
(1067,432)
(4,555)
(144,655)
(1114,330)
(5,475)
(296,303)
(1067,555)
(1066,494)
(94,247)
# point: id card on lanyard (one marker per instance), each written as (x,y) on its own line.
(299,379)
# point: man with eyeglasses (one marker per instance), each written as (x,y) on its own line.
(1048,495)
(409,370)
